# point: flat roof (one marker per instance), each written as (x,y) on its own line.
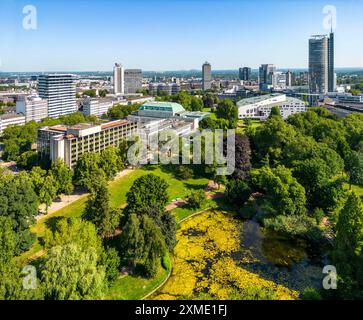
(254,100)
(162,106)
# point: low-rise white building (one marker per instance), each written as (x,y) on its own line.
(97,107)
(260,107)
(33,107)
(11,119)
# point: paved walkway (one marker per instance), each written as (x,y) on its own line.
(65,200)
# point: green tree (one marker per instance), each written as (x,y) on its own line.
(63,176)
(72,273)
(354,167)
(88,172)
(110,162)
(154,246)
(228,110)
(238,192)
(132,240)
(275,112)
(348,246)
(99,212)
(147,191)
(111,261)
(196,199)
(73,230)
(19,202)
(282,190)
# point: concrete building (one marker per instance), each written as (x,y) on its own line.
(266,72)
(331,72)
(97,106)
(290,79)
(165,110)
(167,88)
(70,142)
(133,80)
(245,73)
(260,107)
(33,107)
(206,76)
(318,64)
(11,119)
(60,92)
(118,79)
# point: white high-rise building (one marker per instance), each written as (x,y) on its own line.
(60,92)
(118,79)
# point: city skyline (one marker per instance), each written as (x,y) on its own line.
(95,43)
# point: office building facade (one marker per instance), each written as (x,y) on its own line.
(206,76)
(11,119)
(331,72)
(265,74)
(321,64)
(118,79)
(133,80)
(69,143)
(245,74)
(33,107)
(60,92)
(260,107)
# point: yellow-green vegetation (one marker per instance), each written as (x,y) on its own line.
(358,190)
(204,265)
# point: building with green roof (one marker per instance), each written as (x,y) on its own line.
(158,109)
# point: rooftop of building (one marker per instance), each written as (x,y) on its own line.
(163,106)
(253,100)
(61,128)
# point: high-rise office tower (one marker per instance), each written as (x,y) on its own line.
(318,64)
(206,76)
(331,76)
(133,80)
(290,79)
(60,92)
(266,72)
(245,74)
(118,79)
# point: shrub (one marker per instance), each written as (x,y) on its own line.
(196,199)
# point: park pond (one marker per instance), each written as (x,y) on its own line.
(219,256)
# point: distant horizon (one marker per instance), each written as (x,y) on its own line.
(169,71)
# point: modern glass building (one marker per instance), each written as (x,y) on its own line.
(318,64)
(60,92)
(331,73)
(245,74)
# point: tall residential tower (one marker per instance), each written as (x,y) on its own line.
(118,79)
(60,92)
(206,76)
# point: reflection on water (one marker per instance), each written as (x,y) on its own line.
(286,261)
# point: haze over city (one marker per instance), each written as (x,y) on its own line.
(172,35)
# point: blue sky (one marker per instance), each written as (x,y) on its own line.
(80,35)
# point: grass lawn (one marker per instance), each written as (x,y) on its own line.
(358,190)
(129,287)
(118,189)
(135,288)
(254,124)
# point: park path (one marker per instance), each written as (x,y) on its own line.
(65,200)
